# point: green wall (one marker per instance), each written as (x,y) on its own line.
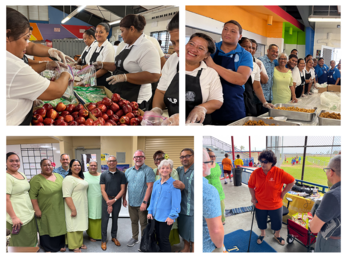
(297,36)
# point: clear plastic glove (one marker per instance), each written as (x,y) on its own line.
(116,79)
(294,100)
(98,65)
(67,70)
(268,105)
(157,110)
(172,120)
(38,103)
(52,65)
(303,96)
(78,67)
(53,52)
(197,115)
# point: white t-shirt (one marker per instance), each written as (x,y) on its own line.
(296,76)
(87,49)
(211,87)
(262,69)
(106,55)
(255,73)
(23,86)
(152,39)
(311,71)
(168,72)
(142,58)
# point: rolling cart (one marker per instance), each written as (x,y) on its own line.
(302,235)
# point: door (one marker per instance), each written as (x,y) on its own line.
(84,155)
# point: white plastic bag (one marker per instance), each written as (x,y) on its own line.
(331,100)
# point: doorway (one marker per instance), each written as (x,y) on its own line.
(84,155)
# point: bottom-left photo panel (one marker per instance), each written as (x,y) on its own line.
(100,194)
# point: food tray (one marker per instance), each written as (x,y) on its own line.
(267,121)
(328,121)
(294,115)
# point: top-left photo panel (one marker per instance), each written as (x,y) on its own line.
(92,65)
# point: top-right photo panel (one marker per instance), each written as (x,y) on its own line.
(263,65)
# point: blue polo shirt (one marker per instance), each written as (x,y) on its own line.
(211,209)
(242,57)
(336,73)
(319,70)
(267,87)
(61,171)
(165,201)
(137,183)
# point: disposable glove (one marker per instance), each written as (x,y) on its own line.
(52,65)
(157,110)
(172,120)
(98,65)
(53,52)
(268,105)
(197,115)
(116,79)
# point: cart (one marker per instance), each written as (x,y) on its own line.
(300,234)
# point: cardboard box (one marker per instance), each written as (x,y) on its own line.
(330,88)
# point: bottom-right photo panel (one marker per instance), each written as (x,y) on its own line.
(271,193)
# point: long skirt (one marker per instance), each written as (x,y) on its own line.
(52,244)
(74,240)
(95,229)
(27,236)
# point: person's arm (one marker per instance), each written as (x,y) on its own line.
(34,49)
(287,189)
(263,77)
(143,206)
(212,105)
(179,185)
(38,67)
(142,77)
(216,230)
(252,193)
(118,196)
(158,99)
(316,224)
(336,83)
(9,209)
(109,66)
(37,209)
(71,206)
(163,60)
(258,91)
(293,94)
(104,194)
(124,196)
(56,88)
(101,72)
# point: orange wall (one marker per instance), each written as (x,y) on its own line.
(248,21)
(36,32)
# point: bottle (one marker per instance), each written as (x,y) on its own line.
(315,190)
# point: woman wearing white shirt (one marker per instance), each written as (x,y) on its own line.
(23,84)
(102,51)
(309,76)
(204,93)
(167,92)
(137,65)
(298,76)
(89,38)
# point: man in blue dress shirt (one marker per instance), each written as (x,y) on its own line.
(63,170)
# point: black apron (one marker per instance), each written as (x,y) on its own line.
(249,98)
(127,90)
(299,89)
(194,95)
(28,117)
(101,81)
(307,77)
(83,62)
(25,59)
(171,96)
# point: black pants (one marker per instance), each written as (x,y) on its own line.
(276,217)
(105,219)
(299,91)
(162,235)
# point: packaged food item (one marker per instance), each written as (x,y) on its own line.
(87,77)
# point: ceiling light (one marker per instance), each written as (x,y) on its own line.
(114,22)
(324,19)
(81,7)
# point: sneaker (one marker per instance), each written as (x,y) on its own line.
(230,180)
(132,242)
(225,182)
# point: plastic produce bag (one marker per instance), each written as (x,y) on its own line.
(87,77)
(90,94)
(68,95)
(331,100)
(51,75)
(323,85)
(152,118)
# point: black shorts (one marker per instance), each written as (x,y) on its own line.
(227,172)
(276,217)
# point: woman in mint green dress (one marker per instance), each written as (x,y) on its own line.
(214,179)
(19,210)
(74,190)
(46,197)
(94,197)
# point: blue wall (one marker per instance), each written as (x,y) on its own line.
(309,41)
(56,16)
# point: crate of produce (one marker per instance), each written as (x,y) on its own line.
(292,114)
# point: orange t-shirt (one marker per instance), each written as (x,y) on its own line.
(268,187)
(226,162)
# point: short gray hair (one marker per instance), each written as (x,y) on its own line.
(282,54)
(112,156)
(166,162)
(137,151)
(335,164)
(63,155)
(93,160)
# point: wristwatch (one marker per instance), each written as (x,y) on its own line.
(115,199)
(144,202)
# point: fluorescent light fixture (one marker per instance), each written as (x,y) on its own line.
(114,22)
(324,19)
(81,7)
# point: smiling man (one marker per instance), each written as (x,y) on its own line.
(140,180)
(63,170)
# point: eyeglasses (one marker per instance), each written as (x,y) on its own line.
(186,157)
(211,161)
(327,169)
(159,159)
(264,161)
(139,157)
(212,156)
(110,161)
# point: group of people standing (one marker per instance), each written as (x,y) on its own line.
(64,203)
(225,82)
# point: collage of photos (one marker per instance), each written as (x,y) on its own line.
(131,190)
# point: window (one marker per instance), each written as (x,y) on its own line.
(164,36)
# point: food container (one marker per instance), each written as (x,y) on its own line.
(279,118)
(328,121)
(267,121)
(294,115)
